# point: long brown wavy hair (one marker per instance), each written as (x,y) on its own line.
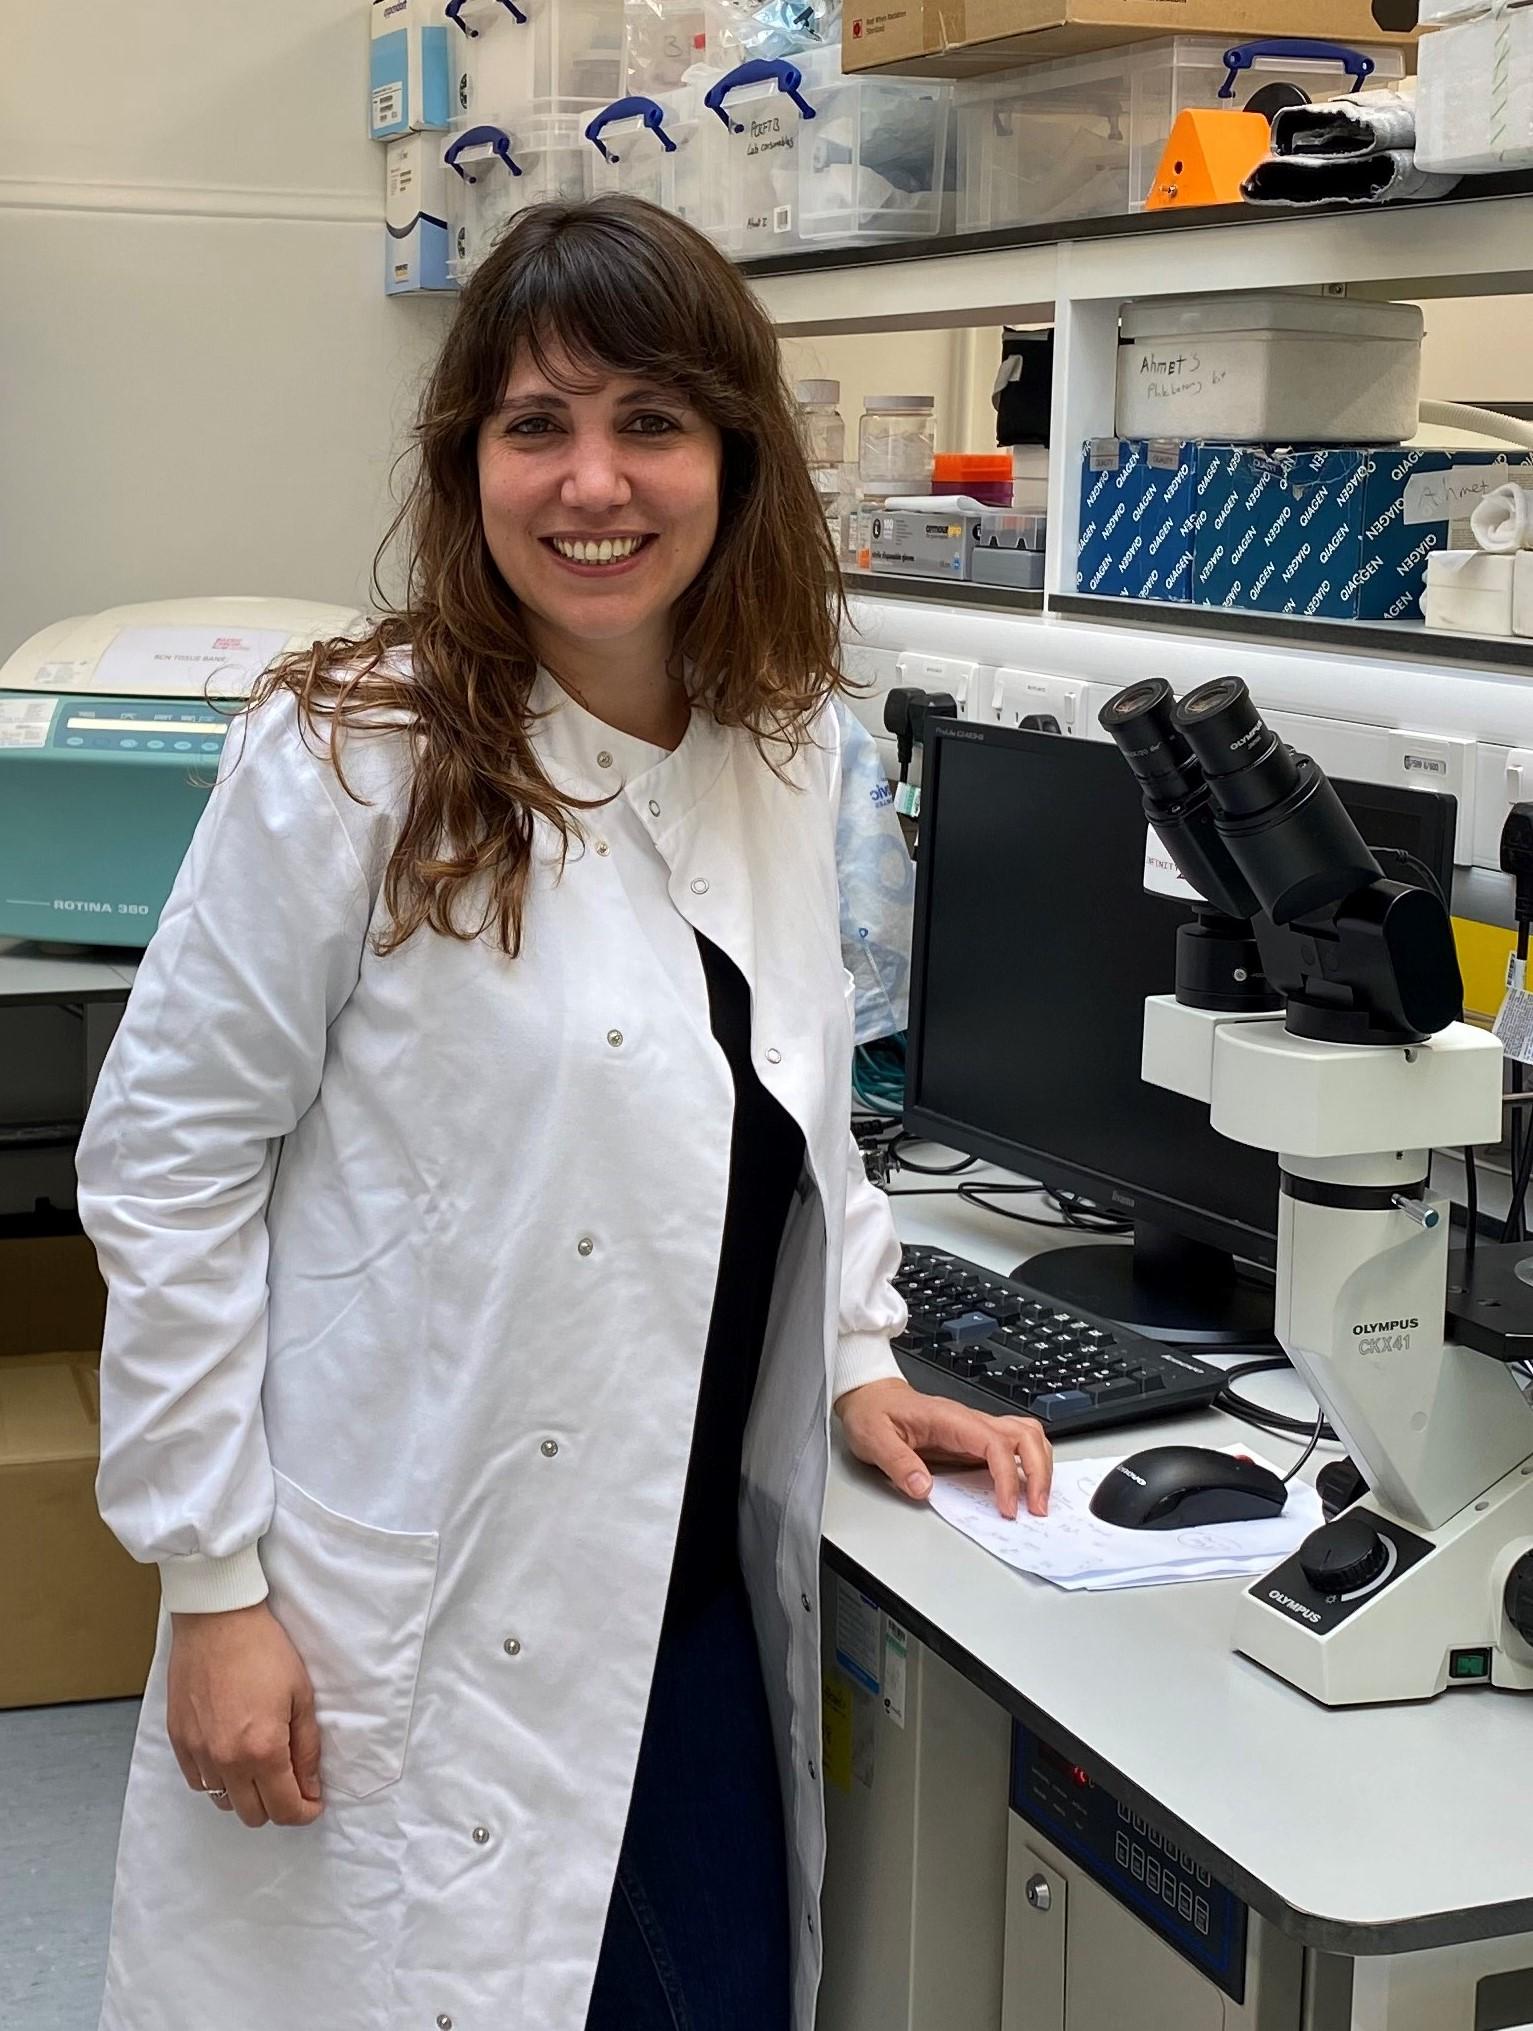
(614,286)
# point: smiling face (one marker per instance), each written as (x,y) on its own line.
(599,496)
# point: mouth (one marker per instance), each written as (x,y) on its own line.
(597,556)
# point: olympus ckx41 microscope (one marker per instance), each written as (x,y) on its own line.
(1316,1016)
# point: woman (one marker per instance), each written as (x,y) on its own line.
(482,1439)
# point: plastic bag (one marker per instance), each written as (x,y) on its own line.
(878,886)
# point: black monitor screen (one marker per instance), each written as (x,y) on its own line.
(1036,945)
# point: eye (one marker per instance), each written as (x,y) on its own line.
(530,426)
(653,424)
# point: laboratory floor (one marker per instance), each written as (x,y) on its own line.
(63,1771)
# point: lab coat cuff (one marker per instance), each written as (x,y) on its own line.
(193,1585)
(860,1358)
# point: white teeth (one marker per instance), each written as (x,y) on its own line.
(609,550)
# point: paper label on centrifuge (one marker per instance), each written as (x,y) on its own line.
(896,1650)
(857,1634)
(172,662)
(24,722)
(1162,877)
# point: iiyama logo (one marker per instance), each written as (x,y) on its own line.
(1294,1607)
(1388,1326)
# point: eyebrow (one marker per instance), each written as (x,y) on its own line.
(543,402)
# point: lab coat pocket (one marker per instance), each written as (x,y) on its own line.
(354,1599)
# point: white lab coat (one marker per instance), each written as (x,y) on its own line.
(431,1376)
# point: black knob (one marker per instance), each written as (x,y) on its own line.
(1517,1597)
(1342,1556)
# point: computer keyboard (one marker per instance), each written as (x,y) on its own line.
(988,1342)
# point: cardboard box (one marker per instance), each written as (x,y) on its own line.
(1334,533)
(966,38)
(78,1615)
(415,215)
(917,543)
(1138,518)
(409,81)
(51,1294)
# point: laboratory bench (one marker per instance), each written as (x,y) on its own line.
(1394,1839)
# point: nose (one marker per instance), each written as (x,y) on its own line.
(595,481)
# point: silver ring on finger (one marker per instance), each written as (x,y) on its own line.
(213,1791)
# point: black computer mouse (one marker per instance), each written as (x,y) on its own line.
(1174,1487)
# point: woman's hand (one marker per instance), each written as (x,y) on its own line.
(892,1426)
(239,1711)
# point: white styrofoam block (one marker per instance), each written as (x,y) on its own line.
(1470,590)
(1522,593)
(1474,95)
(1270,368)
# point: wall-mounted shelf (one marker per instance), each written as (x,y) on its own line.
(1392,641)
(1476,241)
(1001,598)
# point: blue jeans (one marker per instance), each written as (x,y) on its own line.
(697,1930)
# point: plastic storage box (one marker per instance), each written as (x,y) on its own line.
(763,110)
(1082,137)
(507,56)
(662,40)
(665,150)
(875,158)
(542,152)
(1269,368)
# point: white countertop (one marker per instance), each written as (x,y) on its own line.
(1368,1830)
(63,973)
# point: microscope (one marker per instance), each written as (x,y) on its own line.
(1316,1016)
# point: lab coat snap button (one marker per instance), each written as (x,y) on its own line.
(548,1448)
(774,1057)
(481,1835)
(813,1774)
(584,1245)
(615,1039)
(443,2022)
(654,808)
(601,847)
(511,1647)
(604,760)
(808,1604)
(699,888)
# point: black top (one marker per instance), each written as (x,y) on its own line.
(766,1156)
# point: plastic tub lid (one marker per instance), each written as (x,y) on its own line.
(818,394)
(1270,310)
(972,465)
(899,405)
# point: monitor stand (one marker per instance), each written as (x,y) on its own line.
(1164,1286)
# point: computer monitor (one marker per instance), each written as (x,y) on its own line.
(1035,947)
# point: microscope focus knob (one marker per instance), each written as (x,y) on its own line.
(1517,1597)
(1342,1556)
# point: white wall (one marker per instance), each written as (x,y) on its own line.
(202,385)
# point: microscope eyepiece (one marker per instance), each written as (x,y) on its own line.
(1142,722)
(1247,765)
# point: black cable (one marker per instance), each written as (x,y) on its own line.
(929,1170)
(1303,1459)
(1471,1208)
(1277,1422)
(1519,1137)
(970,1194)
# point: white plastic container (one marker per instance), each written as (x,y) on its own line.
(874,164)
(1030,478)
(1083,137)
(1269,368)
(1522,592)
(764,112)
(1470,591)
(662,40)
(542,152)
(506,56)
(663,149)
(896,445)
(481,196)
